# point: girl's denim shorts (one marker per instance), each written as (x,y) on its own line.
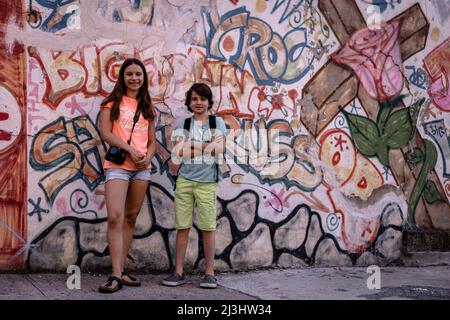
(128,175)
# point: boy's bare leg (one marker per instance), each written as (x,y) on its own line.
(209,246)
(180,249)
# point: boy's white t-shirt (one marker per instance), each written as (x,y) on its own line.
(200,168)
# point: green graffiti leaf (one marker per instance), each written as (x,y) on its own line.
(430,193)
(383,154)
(383,114)
(415,156)
(398,129)
(364,133)
(428,165)
(386,109)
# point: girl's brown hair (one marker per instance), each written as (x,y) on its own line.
(145,104)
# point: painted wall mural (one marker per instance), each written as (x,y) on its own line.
(338,117)
(13,143)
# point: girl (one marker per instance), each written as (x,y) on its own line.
(126,183)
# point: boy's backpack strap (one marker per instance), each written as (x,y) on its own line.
(187,125)
(212,122)
(213,125)
(187,129)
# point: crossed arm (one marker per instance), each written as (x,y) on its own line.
(190,149)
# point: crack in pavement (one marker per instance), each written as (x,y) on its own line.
(34,285)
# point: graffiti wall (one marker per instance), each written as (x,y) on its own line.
(338,115)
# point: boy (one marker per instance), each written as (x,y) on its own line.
(197,180)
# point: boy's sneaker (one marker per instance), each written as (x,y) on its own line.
(174,280)
(208,282)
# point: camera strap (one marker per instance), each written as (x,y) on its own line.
(135,120)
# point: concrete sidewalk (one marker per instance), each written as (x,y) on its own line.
(274,284)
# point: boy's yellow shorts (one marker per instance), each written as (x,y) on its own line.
(188,193)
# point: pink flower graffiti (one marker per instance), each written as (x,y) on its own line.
(374,55)
(440,92)
(276,200)
(74,105)
(437,64)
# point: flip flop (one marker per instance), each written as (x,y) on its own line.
(133,283)
(108,288)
